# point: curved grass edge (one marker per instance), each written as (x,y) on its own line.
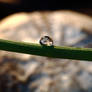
(47,51)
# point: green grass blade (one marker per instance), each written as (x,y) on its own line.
(48,51)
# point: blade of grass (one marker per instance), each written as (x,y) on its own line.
(48,51)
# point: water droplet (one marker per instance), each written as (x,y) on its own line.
(46,40)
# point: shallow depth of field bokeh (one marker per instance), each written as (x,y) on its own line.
(29,73)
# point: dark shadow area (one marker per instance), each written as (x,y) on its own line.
(41,5)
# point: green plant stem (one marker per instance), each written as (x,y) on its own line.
(48,51)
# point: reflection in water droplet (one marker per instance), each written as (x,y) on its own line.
(46,40)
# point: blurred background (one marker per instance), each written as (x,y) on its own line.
(68,24)
(11,6)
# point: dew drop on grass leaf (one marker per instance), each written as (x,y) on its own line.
(46,40)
